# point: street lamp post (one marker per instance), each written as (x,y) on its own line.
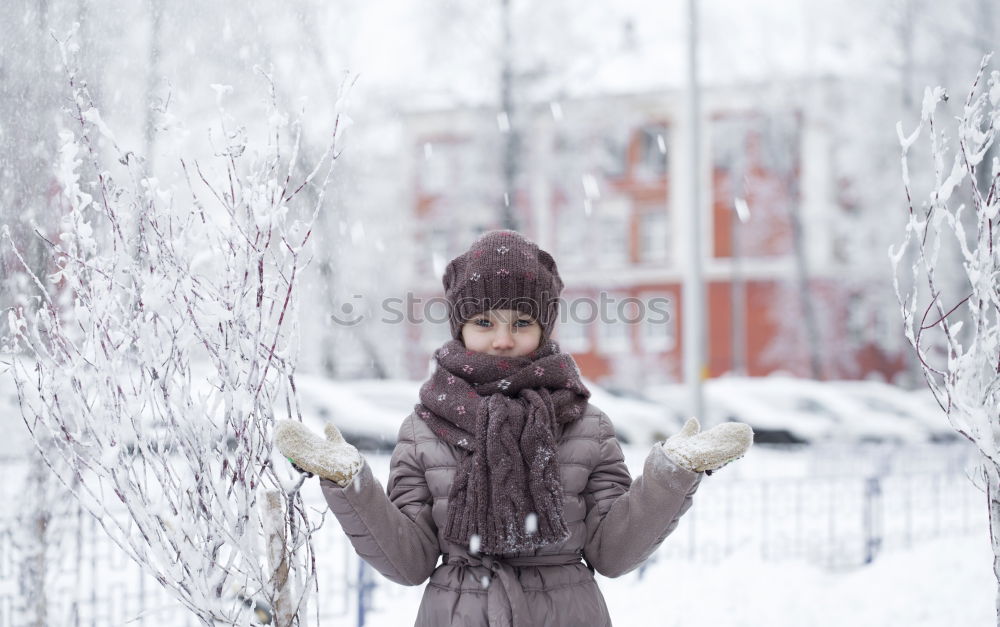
(695,313)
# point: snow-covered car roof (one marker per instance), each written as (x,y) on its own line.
(369,412)
(815,411)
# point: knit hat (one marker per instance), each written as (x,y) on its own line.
(503,270)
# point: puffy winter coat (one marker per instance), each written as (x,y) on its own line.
(615,523)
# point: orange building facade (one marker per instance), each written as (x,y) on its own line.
(604,201)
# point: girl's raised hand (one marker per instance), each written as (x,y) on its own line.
(710,450)
(331,458)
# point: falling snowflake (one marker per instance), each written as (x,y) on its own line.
(531,523)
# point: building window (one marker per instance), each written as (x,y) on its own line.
(438,249)
(654,235)
(612,155)
(611,224)
(659,323)
(571,334)
(441,166)
(434,327)
(856,321)
(887,332)
(652,159)
(614,323)
(613,336)
(571,238)
(755,159)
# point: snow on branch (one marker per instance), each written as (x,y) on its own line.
(964,374)
(956,333)
(162,344)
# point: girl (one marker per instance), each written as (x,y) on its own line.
(504,471)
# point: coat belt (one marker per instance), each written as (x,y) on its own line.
(512,612)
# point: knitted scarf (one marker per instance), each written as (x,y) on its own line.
(505,413)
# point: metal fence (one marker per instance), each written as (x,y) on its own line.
(91,583)
(837,521)
(833,522)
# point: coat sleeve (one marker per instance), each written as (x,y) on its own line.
(627,520)
(393,532)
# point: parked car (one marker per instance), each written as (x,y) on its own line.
(369,412)
(913,406)
(784,409)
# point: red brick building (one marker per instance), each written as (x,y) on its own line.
(598,187)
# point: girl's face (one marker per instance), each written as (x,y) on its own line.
(502,332)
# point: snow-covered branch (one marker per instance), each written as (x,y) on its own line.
(162,343)
(957,336)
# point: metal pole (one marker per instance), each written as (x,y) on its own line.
(511,135)
(362,593)
(694,288)
(738,293)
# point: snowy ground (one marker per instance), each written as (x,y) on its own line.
(940,576)
(934,569)
(941,583)
(938,583)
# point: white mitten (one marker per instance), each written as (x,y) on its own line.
(711,450)
(332,458)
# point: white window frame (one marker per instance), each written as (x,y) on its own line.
(612,155)
(572,242)
(572,336)
(433,334)
(652,335)
(441,168)
(651,162)
(664,252)
(611,220)
(613,337)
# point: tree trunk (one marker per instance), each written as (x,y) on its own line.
(993,497)
(806,301)
(152,81)
(282,611)
(34,539)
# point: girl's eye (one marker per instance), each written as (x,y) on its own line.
(524,322)
(482,322)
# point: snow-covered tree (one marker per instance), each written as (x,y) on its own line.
(163,344)
(956,332)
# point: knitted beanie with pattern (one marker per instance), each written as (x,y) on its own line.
(503,270)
